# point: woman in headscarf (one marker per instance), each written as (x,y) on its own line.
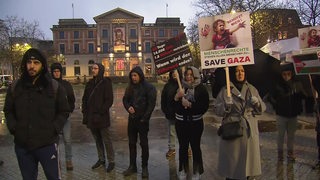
(192,101)
(240,158)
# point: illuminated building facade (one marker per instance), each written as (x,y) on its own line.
(120,40)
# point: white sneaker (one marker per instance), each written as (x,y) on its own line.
(182,175)
(196,176)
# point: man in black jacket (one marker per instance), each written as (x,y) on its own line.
(96,102)
(36,109)
(287,102)
(139,100)
(56,72)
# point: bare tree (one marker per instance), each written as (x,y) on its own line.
(14,31)
(309,11)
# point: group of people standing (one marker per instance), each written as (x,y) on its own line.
(38,105)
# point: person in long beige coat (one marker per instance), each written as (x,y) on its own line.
(240,158)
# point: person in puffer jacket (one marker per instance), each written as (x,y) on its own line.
(36,109)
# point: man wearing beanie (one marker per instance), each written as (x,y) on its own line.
(139,100)
(56,72)
(36,110)
(97,100)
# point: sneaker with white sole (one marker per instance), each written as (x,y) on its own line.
(196,176)
(182,175)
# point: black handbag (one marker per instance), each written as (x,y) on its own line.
(230,129)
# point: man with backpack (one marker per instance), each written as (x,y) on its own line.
(36,109)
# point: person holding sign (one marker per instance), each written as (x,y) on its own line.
(239,158)
(191,102)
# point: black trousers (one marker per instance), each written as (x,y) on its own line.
(141,129)
(190,132)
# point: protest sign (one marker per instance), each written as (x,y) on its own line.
(225,40)
(306,64)
(171,54)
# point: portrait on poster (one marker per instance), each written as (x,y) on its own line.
(119,38)
(225,40)
(309,37)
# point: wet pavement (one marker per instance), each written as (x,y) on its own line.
(160,168)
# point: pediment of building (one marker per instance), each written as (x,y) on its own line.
(117,13)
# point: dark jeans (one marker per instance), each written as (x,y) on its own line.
(135,128)
(29,159)
(190,132)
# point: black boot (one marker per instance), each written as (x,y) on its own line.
(145,172)
(131,170)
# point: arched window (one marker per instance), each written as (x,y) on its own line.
(77,68)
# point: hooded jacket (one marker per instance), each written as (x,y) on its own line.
(35,113)
(67,86)
(141,96)
(97,100)
(287,98)
(167,96)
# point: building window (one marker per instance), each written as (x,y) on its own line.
(147,32)
(161,32)
(289,20)
(147,47)
(104,33)
(279,35)
(148,60)
(148,69)
(90,64)
(77,68)
(90,34)
(76,48)
(91,48)
(105,47)
(175,32)
(61,35)
(64,69)
(133,47)
(76,34)
(285,35)
(62,48)
(133,33)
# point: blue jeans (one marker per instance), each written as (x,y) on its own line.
(29,159)
(171,134)
(67,140)
(289,126)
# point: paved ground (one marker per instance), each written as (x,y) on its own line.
(84,152)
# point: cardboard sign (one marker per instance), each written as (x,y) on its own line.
(171,54)
(306,64)
(225,40)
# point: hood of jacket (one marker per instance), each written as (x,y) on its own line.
(56,66)
(44,76)
(100,75)
(139,71)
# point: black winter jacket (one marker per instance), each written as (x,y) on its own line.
(142,97)
(287,98)
(35,114)
(167,97)
(97,100)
